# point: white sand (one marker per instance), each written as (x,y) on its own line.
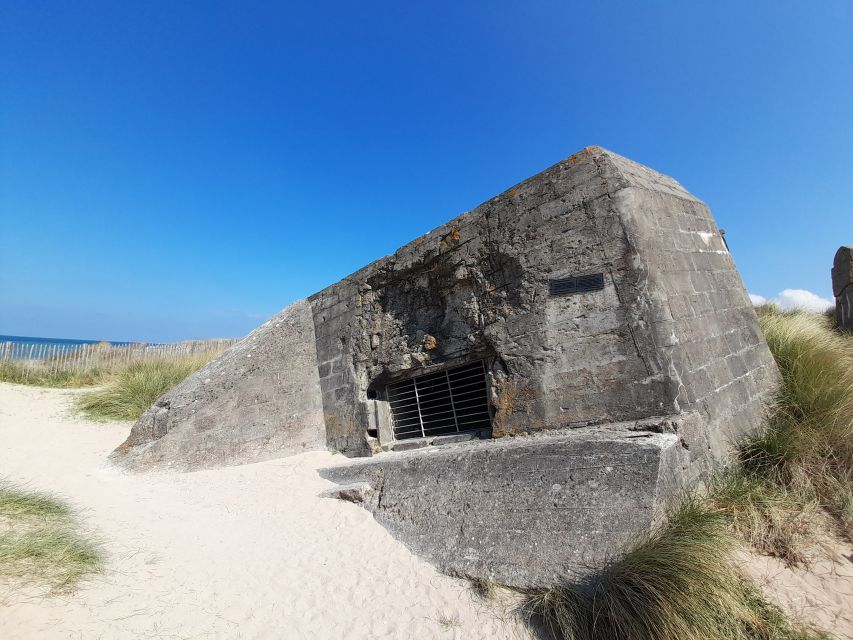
(243,552)
(253,552)
(821,595)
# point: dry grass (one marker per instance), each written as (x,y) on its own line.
(769,517)
(807,448)
(95,365)
(30,373)
(129,388)
(448,623)
(484,588)
(40,541)
(679,584)
(134,387)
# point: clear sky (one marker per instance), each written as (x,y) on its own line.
(174,170)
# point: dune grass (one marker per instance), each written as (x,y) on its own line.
(18,372)
(793,482)
(128,388)
(767,516)
(40,541)
(807,447)
(787,483)
(134,387)
(678,584)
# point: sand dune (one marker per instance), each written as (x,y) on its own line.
(254,552)
(821,595)
(243,552)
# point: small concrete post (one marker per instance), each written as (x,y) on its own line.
(842,287)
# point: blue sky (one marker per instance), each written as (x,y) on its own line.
(184,170)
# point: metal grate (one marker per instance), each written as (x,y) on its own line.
(577,284)
(450,401)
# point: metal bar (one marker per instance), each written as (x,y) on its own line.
(425,394)
(417,400)
(469,392)
(393,394)
(467,412)
(448,401)
(452,406)
(473,411)
(403,414)
(424,411)
(467,382)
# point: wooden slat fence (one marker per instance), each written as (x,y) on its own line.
(73,357)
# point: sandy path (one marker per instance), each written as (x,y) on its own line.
(821,595)
(243,552)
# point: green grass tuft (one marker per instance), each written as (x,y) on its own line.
(40,541)
(133,388)
(807,448)
(16,503)
(33,374)
(484,587)
(679,584)
(771,518)
(448,623)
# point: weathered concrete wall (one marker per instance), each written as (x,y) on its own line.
(672,334)
(259,400)
(477,287)
(672,330)
(523,511)
(842,287)
(698,313)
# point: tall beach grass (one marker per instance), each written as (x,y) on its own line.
(124,389)
(807,447)
(767,516)
(90,365)
(681,583)
(132,388)
(41,542)
(21,372)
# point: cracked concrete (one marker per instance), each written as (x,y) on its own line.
(523,511)
(672,333)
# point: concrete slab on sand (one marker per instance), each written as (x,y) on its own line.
(522,511)
(258,400)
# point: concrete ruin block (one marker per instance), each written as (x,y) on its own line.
(669,330)
(259,400)
(586,329)
(524,511)
(842,287)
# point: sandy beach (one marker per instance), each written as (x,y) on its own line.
(821,595)
(241,552)
(254,552)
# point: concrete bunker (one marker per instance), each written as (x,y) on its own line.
(613,355)
(449,402)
